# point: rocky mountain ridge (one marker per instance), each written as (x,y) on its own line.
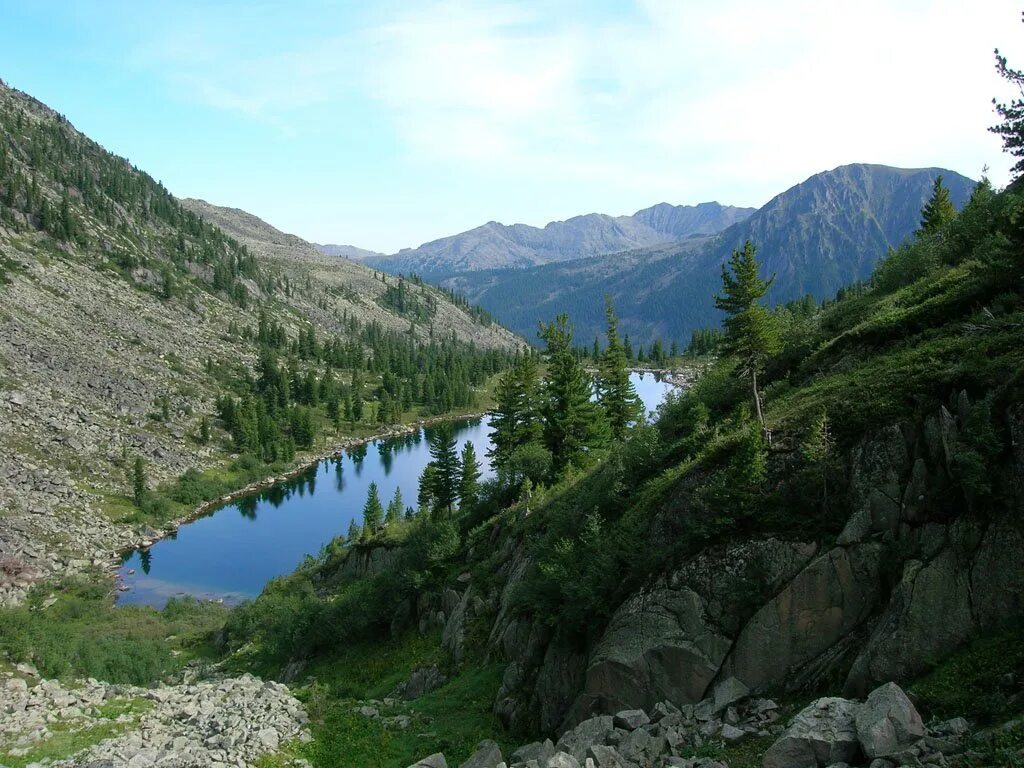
(500,246)
(817,237)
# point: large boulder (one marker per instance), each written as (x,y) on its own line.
(888,723)
(824,733)
(658,646)
(431,761)
(825,602)
(486,755)
(585,735)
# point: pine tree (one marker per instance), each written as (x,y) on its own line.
(617,395)
(1011,129)
(938,212)
(373,512)
(572,422)
(751,332)
(139,481)
(425,495)
(445,460)
(396,508)
(469,480)
(204,430)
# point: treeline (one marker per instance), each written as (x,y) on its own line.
(304,384)
(56,181)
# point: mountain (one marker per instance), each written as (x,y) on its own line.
(347,251)
(517,246)
(816,237)
(125,313)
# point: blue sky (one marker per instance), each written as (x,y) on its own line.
(388,124)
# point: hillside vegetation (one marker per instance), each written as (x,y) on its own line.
(866,533)
(125,314)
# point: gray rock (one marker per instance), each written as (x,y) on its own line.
(431,761)
(887,722)
(420,681)
(562,760)
(539,751)
(732,734)
(590,732)
(631,719)
(606,757)
(486,755)
(729,691)
(818,608)
(823,733)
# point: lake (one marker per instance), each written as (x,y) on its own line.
(232,552)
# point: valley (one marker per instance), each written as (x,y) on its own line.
(704,486)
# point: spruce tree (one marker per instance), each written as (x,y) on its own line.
(751,331)
(204,430)
(1011,129)
(445,460)
(373,512)
(938,212)
(355,532)
(425,495)
(139,481)
(469,480)
(617,395)
(573,423)
(395,509)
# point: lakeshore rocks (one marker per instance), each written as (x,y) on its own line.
(217,722)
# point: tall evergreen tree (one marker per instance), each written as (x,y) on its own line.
(425,495)
(373,511)
(938,212)
(573,423)
(355,532)
(617,395)
(445,460)
(751,332)
(1011,129)
(469,479)
(516,418)
(139,481)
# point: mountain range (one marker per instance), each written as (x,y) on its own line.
(517,246)
(815,238)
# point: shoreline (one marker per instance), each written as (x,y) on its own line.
(305,464)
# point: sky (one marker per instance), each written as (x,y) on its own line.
(388,124)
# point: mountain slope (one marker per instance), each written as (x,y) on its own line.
(500,246)
(122,314)
(347,251)
(816,237)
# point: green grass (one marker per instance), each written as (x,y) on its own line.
(84,635)
(970,683)
(452,719)
(66,740)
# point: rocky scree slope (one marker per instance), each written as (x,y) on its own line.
(113,296)
(209,722)
(816,237)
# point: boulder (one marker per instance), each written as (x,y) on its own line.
(588,733)
(822,734)
(888,723)
(486,755)
(631,719)
(607,757)
(539,751)
(727,692)
(420,681)
(562,760)
(657,646)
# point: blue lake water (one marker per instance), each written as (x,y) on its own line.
(232,552)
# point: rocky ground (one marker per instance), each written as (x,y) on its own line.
(213,722)
(884,731)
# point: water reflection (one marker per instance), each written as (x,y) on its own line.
(232,556)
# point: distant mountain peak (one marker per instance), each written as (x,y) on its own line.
(515,246)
